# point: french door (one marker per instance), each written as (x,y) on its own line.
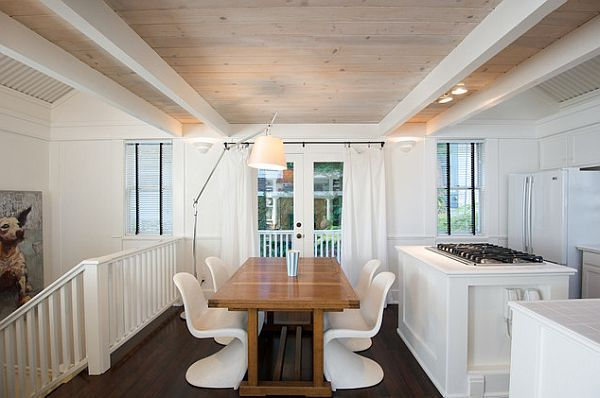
(301,207)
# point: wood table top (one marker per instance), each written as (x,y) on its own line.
(263,283)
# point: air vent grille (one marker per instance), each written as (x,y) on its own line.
(579,80)
(26,80)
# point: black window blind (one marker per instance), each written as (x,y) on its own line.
(148,188)
(459,187)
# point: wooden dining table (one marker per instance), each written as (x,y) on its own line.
(262,284)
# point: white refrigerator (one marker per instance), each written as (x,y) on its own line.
(551,212)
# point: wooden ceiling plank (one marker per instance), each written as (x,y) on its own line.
(124,5)
(100,23)
(339,15)
(576,47)
(307,28)
(509,20)
(29,48)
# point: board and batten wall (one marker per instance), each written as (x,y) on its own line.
(87,146)
(24,143)
(80,162)
(571,137)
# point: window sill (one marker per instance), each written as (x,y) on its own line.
(145,237)
(462,238)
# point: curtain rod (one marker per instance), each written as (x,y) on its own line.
(304,143)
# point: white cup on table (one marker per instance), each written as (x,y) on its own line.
(292,258)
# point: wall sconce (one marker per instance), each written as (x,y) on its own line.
(202,146)
(406,144)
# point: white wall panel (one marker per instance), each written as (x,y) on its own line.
(553,152)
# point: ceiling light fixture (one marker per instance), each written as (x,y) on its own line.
(460,89)
(445,99)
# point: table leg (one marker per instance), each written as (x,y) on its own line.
(252,347)
(317,347)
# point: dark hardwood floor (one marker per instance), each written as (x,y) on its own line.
(155,366)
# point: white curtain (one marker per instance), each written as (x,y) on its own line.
(239,229)
(364,231)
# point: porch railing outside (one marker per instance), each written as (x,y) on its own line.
(326,243)
(85,315)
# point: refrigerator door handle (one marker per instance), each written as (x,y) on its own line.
(530,215)
(525,186)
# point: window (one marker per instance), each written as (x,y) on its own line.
(459,187)
(148,188)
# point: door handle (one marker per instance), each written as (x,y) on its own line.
(298,224)
(525,216)
(299,236)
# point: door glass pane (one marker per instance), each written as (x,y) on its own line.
(275,211)
(327,187)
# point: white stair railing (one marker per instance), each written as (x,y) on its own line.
(84,316)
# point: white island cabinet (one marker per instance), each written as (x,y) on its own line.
(590,271)
(452,317)
(556,349)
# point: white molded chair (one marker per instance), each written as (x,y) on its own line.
(217,261)
(345,319)
(227,367)
(366,277)
(344,368)
(219,275)
(218,272)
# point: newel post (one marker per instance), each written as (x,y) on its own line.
(95,285)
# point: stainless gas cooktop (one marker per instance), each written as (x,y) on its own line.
(485,254)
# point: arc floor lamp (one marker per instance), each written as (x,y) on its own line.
(267,153)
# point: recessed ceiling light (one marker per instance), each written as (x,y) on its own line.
(445,98)
(459,89)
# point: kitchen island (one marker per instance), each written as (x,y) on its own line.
(452,317)
(590,271)
(556,349)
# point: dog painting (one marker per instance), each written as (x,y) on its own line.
(21,257)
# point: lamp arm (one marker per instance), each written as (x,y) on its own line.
(197,198)
(209,177)
(196,209)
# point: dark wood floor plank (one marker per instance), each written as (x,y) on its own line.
(156,367)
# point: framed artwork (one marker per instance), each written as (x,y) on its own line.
(21,249)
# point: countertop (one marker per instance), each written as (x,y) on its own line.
(590,248)
(579,319)
(454,267)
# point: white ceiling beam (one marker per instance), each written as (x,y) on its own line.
(508,21)
(572,49)
(31,49)
(101,24)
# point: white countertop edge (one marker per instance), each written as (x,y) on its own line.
(594,345)
(456,268)
(590,248)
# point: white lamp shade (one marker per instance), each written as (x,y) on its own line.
(267,153)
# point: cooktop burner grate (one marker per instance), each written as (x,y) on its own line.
(486,254)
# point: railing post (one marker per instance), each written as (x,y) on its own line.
(95,287)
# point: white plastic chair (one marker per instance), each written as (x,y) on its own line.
(219,275)
(227,367)
(216,261)
(218,272)
(342,367)
(345,319)
(366,276)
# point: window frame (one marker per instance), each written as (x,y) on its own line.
(477,212)
(140,234)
